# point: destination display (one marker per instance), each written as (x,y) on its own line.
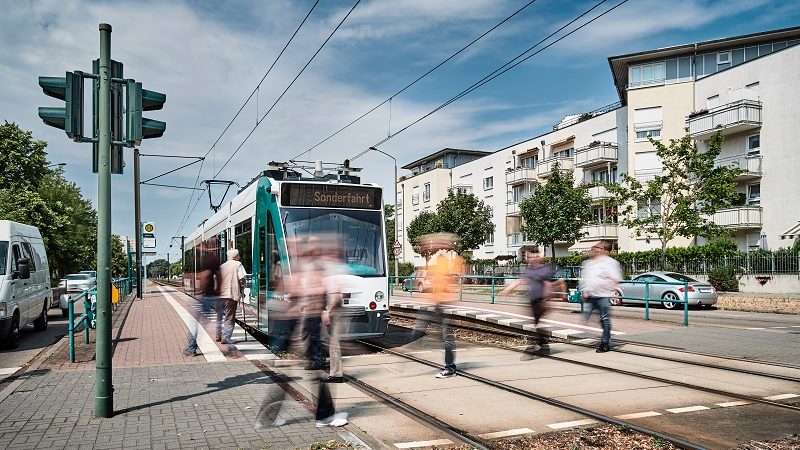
(331,196)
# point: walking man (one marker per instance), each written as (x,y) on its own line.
(601,275)
(232,275)
(537,278)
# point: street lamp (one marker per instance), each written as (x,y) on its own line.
(53,165)
(394,193)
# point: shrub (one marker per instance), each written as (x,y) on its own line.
(723,278)
(405,268)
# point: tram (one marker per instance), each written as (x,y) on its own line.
(270,220)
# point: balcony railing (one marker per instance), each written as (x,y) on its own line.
(596,155)
(544,167)
(739,217)
(750,164)
(512,208)
(733,117)
(600,231)
(598,193)
(516,240)
(646,175)
(521,175)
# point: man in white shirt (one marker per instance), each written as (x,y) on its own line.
(600,277)
(232,275)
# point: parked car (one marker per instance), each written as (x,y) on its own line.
(77,282)
(91,273)
(25,294)
(418,281)
(699,293)
(570,275)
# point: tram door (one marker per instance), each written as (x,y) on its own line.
(263,323)
(270,274)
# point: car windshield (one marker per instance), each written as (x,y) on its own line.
(680,277)
(77,277)
(91,273)
(360,234)
(3,256)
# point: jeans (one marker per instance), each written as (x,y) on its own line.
(226,316)
(448,339)
(603,307)
(205,306)
(312,327)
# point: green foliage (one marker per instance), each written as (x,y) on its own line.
(32,194)
(556,211)
(404,268)
(796,246)
(119,258)
(466,216)
(425,223)
(388,212)
(175,269)
(158,268)
(723,278)
(680,201)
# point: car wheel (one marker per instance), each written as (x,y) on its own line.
(40,324)
(671,301)
(12,340)
(616,300)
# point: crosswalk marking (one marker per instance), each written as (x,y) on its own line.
(507,433)
(688,409)
(781,397)
(574,423)
(729,404)
(208,348)
(639,415)
(418,444)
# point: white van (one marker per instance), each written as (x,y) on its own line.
(25,294)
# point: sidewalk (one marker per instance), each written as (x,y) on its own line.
(162,398)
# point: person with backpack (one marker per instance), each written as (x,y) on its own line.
(537,278)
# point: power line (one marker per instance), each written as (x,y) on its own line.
(186,213)
(287,89)
(502,69)
(388,100)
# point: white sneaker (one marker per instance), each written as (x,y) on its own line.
(446,374)
(336,420)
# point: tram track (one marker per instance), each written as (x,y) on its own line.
(487,328)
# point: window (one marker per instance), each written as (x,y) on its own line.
(529,162)
(244,242)
(399,201)
(764,49)
(646,74)
(754,144)
(415,195)
(643,135)
(750,53)
(488,183)
(27,251)
(650,208)
(426,193)
(738,56)
(754,194)
(490,239)
(518,193)
(712,102)
(603,176)
(566,153)
(724,57)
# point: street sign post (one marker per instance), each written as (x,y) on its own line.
(149,235)
(397,248)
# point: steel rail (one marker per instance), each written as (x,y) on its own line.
(680,442)
(489,329)
(415,413)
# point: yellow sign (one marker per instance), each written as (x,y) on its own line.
(114,294)
(148,227)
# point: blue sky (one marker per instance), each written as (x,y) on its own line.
(207,56)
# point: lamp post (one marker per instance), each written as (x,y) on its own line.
(54,165)
(394,193)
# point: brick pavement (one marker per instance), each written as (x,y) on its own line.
(162,399)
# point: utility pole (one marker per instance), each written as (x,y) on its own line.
(137,208)
(104,392)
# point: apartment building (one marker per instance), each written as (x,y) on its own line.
(735,83)
(424,188)
(747,85)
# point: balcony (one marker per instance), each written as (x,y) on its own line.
(596,155)
(646,175)
(600,231)
(545,167)
(521,175)
(599,193)
(734,117)
(750,164)
(741,217)
(517,240)
(512,208)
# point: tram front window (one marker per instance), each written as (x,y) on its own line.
(358,232)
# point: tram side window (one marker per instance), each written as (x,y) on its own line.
(274,268)
(244,242)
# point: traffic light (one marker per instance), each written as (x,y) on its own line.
(138,100)
(70,117)
(117,162)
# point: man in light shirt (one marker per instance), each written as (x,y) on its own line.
(232,275)
(600,277)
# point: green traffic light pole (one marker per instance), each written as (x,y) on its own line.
(104,391)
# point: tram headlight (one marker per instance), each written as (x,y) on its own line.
(379,296)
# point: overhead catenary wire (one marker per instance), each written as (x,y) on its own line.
(418,79)
(287,89)
(502,69)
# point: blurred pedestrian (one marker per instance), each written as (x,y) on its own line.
(444,273)
(600,277)
(333,316)
(537,278)
(232,276)
(208,282)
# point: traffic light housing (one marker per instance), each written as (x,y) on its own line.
(70,117)
(138,100)
(117,160)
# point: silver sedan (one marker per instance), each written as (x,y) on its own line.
(77,282)
(670,295)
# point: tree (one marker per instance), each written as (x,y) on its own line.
(119,258)
(175,269)
(158,268)
(557,211)
(682,200)
(425,223)
(388,213)
(466,216)
(22,159)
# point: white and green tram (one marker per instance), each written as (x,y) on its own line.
(279,209)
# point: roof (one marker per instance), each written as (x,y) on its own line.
(619,64)
(443,152)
